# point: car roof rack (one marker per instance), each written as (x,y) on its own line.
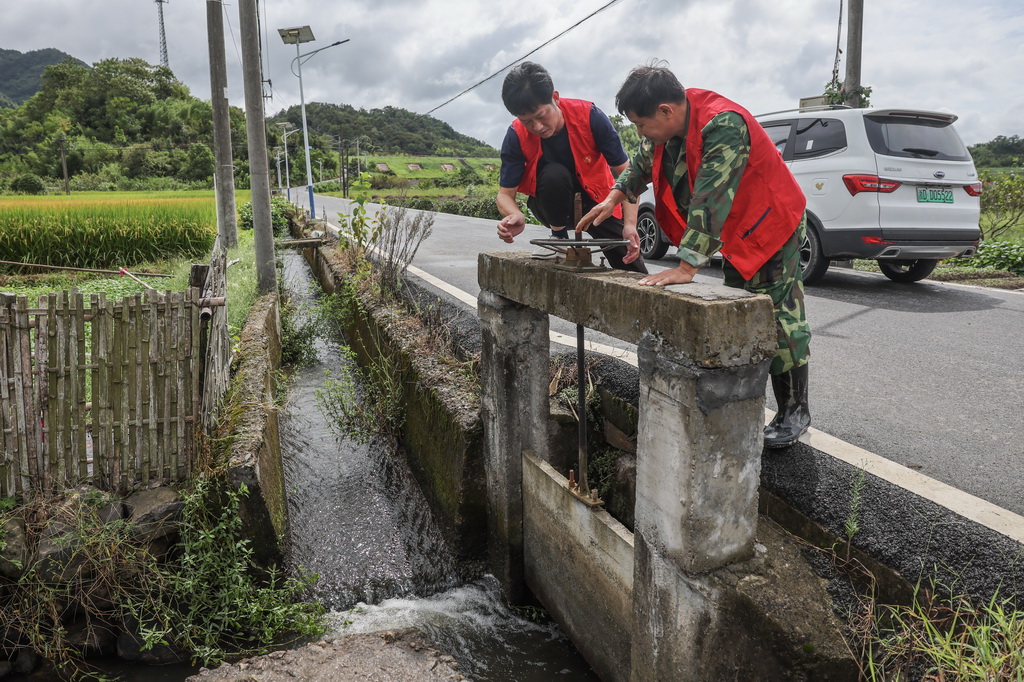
(818,107)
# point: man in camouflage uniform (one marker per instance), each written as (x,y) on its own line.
(722,186)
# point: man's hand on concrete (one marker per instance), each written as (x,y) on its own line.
(680,275)
(510,226)
(633,248)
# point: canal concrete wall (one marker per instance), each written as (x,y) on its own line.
(250,414)
(706,598)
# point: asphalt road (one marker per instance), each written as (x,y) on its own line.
(928,375)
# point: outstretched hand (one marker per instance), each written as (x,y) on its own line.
(510,226)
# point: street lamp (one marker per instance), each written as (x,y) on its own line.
(299,35)
(287,130)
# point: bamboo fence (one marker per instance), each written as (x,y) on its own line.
(111,393)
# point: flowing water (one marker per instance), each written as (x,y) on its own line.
(359,520)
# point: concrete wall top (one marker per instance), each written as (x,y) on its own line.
(714,325)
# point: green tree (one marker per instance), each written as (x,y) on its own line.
(627,133)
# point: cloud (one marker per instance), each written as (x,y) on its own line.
(415,54)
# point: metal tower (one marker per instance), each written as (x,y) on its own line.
(163,36)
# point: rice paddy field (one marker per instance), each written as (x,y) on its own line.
(106,230)
(154,232)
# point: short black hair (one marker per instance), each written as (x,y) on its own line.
(646,87)
(526,87)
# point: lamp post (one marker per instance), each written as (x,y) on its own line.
(299,35)
(277,158)
(286,130)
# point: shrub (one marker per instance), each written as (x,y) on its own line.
(999,255)
(385,181)
(28,184)
(1002,202)
(281,211)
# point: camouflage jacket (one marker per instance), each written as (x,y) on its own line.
(726,144)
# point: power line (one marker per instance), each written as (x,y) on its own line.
(510,65)
(839,33)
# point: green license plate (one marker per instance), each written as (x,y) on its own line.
(932,195)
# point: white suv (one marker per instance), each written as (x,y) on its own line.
(895,185)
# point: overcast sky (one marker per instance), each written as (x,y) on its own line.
(947,55)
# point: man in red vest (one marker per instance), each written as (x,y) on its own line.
(721,185)
(555,148)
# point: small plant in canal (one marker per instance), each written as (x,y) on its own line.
(361,403)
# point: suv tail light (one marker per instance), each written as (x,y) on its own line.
(973,189)
(869,183)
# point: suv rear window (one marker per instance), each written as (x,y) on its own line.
(916,138)
(817,137)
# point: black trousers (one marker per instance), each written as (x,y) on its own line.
(553,206)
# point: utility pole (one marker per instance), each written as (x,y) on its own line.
(259,164)
(854,35)
(227,222)
(341,167)
(64,164)
(163,36)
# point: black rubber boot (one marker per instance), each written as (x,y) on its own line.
(794,415)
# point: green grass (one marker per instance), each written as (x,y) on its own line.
(948,638)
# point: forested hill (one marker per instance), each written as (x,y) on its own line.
(1000,152)
(388,130)
(21,73)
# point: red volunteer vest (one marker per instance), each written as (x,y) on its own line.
(592,171)
(768,205)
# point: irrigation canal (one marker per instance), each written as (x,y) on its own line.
(359,520)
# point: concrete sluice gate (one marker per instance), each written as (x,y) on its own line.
(699,591)
(359,520)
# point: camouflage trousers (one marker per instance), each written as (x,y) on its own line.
(781,278)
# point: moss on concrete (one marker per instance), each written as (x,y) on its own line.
(250,415)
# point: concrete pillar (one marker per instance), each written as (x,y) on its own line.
(698,469)
(514,409)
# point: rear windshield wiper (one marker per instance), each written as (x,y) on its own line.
(919,151)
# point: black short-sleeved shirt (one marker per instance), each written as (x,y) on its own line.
(556,149)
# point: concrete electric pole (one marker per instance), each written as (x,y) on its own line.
(854,35)
(259,163)
(227,221)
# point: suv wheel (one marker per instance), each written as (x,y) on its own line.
(812,261)
(907,270)
(653,244)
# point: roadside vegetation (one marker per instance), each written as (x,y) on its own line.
(204,595)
